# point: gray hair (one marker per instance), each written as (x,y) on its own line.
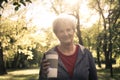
(63,20)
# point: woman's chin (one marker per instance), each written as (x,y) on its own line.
(67,43)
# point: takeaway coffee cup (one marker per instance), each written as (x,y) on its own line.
(53,60)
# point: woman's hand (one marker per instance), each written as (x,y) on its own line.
(45,66)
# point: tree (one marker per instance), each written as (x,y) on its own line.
(2,65)
(14,36)
(16,3)
(21,39)
(110,25)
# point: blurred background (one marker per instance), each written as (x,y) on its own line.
(26,33)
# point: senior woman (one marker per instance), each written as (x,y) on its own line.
(75,62)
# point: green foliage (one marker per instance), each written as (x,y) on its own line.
(14,35)
(108,39)
(18,38)
(1,1)
(16,3)
(89,36)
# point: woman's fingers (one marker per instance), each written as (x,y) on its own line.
(45,66)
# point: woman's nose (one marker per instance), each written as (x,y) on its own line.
(65,33)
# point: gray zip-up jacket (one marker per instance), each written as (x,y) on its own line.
(84,67)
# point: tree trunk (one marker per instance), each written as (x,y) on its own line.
(15,63)
(107,60)
(110,45)
(98,57)
(2,65)
(78,25)
(79,34)
(111,68)
(105,50)
(105,42)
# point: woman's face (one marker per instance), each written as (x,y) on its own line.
(65,34)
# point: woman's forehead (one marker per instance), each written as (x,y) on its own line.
(63,25)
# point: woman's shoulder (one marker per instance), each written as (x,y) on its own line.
(84,49)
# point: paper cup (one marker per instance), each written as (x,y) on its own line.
(53,60)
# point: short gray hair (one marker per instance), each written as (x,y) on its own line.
(64,19)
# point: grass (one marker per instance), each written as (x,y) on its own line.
(23,74)
(104,74)
(32,74)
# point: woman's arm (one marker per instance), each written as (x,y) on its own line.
(92,70)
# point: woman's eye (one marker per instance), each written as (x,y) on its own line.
(68,29)
(61,31)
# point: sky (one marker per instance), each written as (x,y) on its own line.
(41,17)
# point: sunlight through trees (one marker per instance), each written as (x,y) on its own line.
(26,30)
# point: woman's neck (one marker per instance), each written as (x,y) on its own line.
(67,49)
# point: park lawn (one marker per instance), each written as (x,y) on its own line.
(104,74)
(22,74)
(32,74)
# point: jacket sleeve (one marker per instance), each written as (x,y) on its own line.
(92,70)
